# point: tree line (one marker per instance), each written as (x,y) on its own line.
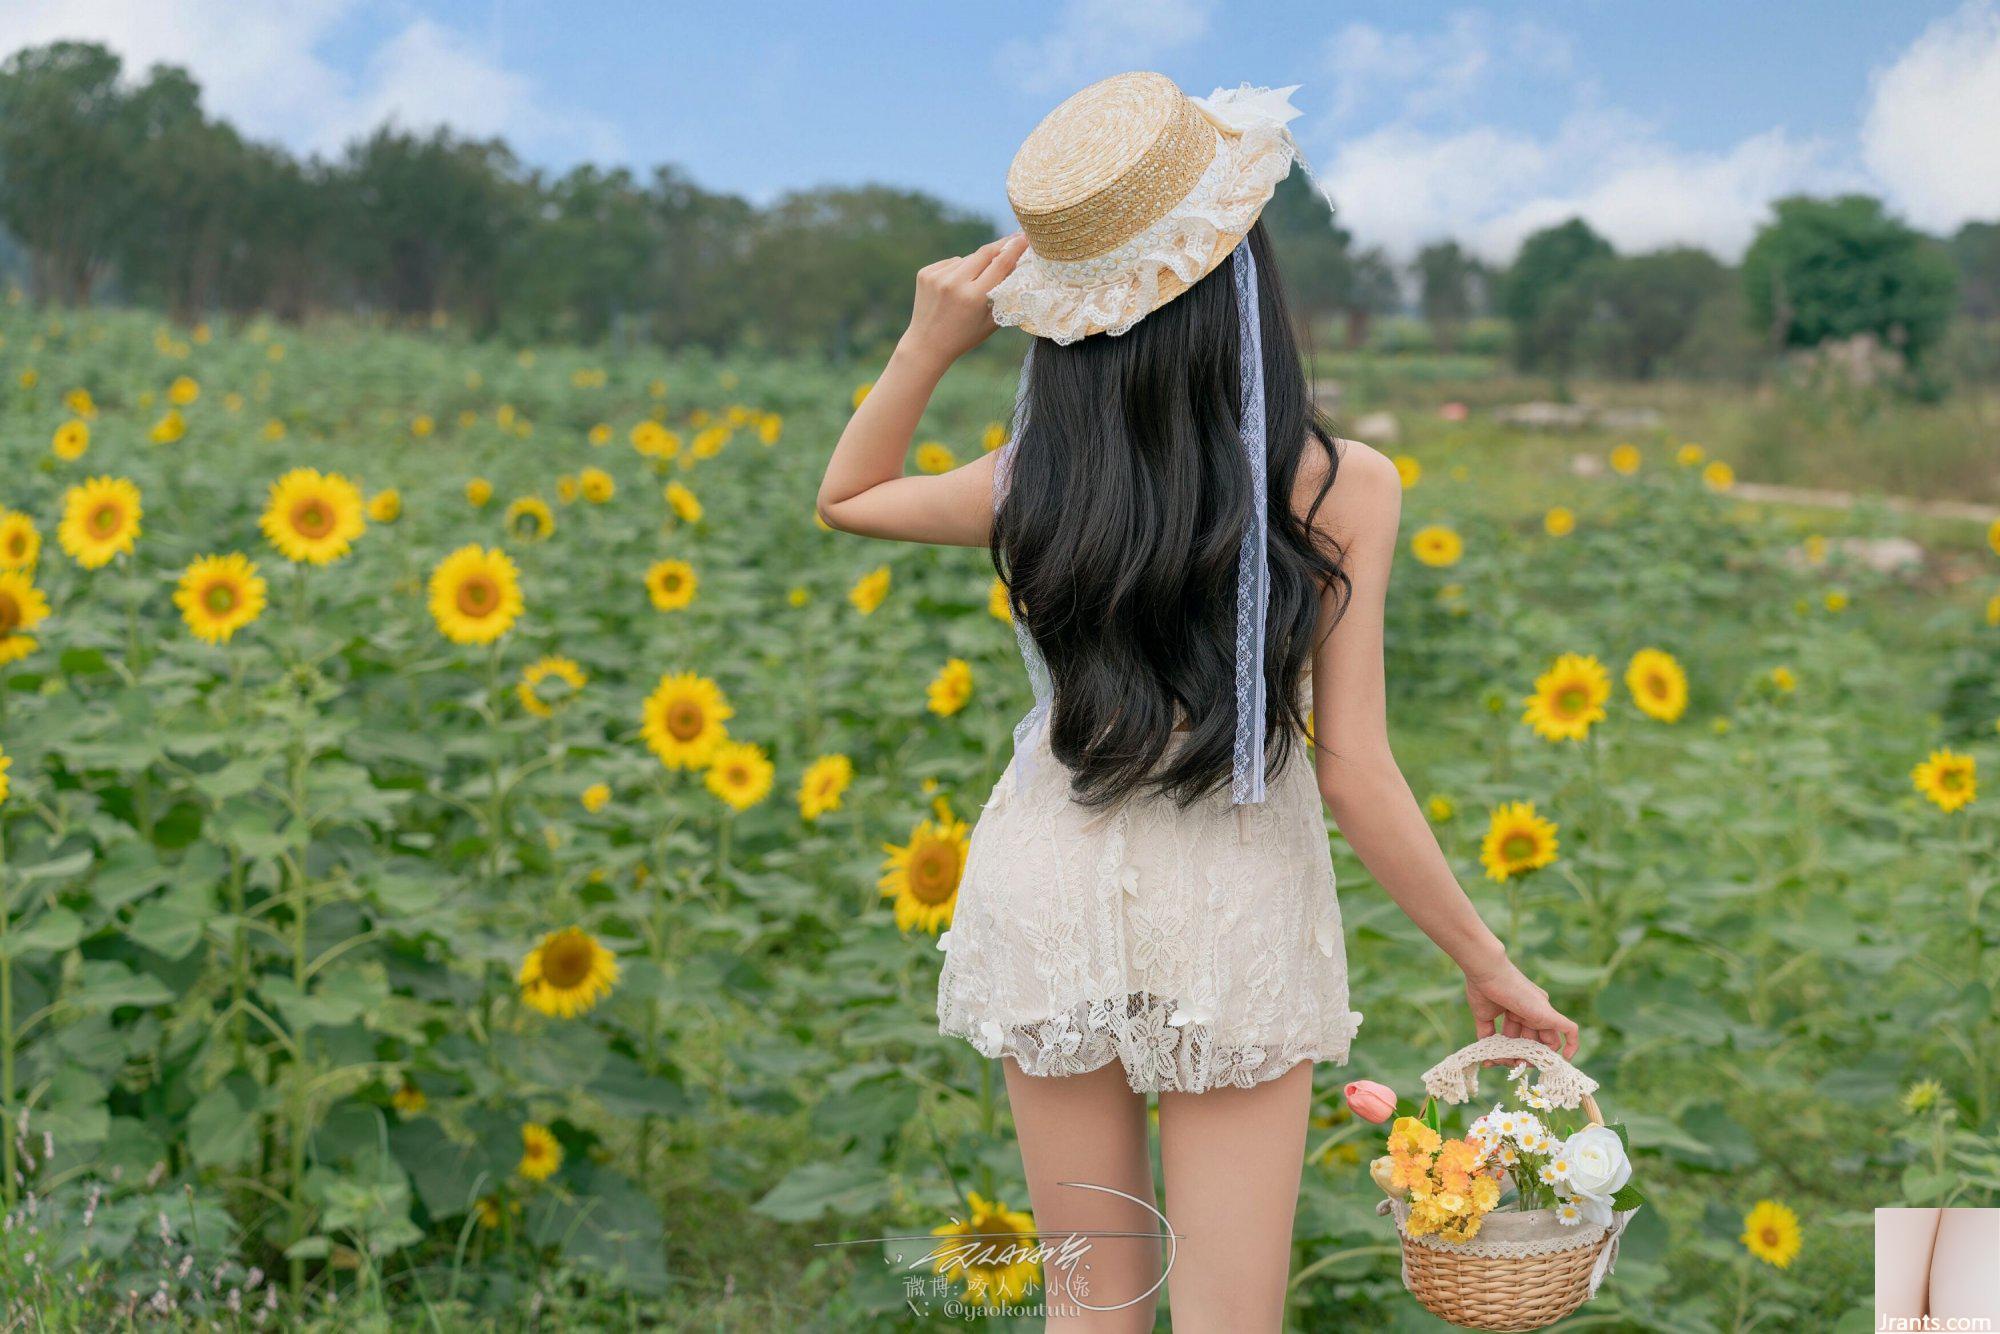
(122,187)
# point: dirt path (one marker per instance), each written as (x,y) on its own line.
(1589,465)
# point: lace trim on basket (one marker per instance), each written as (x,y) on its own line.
(1538,1239)
(1162,1045)
(1066,300)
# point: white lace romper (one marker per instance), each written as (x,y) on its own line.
(1198,947)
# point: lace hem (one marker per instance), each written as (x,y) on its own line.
(1163,1047)
(1064,301)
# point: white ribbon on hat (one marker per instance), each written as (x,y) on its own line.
(1244,107)
(1253,573)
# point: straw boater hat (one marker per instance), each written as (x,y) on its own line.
(1130,192)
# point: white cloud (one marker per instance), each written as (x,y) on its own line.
(1931,133)
(1093,39)
(1418,74)
(260,68)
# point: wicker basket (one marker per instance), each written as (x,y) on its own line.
(1514,1291)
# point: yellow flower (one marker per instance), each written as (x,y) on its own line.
(232,402)
(683,720)
(598,435)
(1921,1096)
(1625,459)
(408,1099)
(274,430)
(183,391)
(1568,698)
(769,428)
(1441,809)
(861,391)
(683,503)
(999,603)
(312,518)
(540,1154)
(709,443)
(30,378)
(566,489)
(219,595)
(1948,779)
(1718,476)
(825,782)
(994,436)
(80,403)
(951,688)
(71,439)
(671,584)
(1993,536)
(596,797)
(797,595)
(1836,601)
(1409,470)
(933,457)
(1559,522)
(596,485)
(421,426)
(869,590)
(544,701)
(1517,841)
(475,594)
(100,520)
(1816,547)
(740,774)
(1784,680)
(6,782)
(22,605)
(922,876)
(1689,455)
(529,519)
(1658,685)
(1993,610)
(491,1212)
(386,506)
(1771,1233)
(997,1258)
(566,974)
(1437,546)
(20,544)
(478,492)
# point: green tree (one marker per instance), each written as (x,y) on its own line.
(1976,251)
(1645,306)
(1447,283)
(1545,294)
(67,132)
(1833,268)
(1313,250)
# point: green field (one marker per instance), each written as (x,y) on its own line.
(261,895)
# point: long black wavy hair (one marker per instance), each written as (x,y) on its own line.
(1118,535)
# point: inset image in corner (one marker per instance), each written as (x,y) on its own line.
(1937,1269)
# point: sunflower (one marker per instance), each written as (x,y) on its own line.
(1000,602)
(16,647)
(1517,841)
(72,438)
(1992,603)
(1409,470)
(183,391)
(478,492)
(422,425)
(1947,779)
(861,392)
(869,590)
(683,720)
(408,1099)
(922,875)
(544,701)
(219,595)
(650,439)
(22,605)
(100,520)
(312,517)
(596,797)
(934,458)
(1689,455)
(1440,808)
(1784,680)
(541,1155)
(825,782)
(6,783)
(1559,522)
(567,973)
(769,428)
(1718,476)
(1568,698)
(994,436)
(1625,459)
(529,519)
(598,435)
(1993,536)
(671,584)
(1437,546)
(997,1260)
(707,444)
(950,689)
(169,429)
(596,485)
(1771,1233)
(274,430)
(80,403)
(475,595)
(685,505)
(20,544)
(386,506)
(740,774)
(1658,685)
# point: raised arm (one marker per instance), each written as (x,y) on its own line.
(1359,779)
(864,490)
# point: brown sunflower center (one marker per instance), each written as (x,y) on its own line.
(933,874)
(10,614)
(17,546)
(1951,780)
(312,517)
(566,964)
(1518,847)
(1770,1236)
(1571,701)
(478,596)
(219,598)
(685,720)
(670,582)
(1656,684)
(105,519)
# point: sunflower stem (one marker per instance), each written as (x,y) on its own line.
(7,1124)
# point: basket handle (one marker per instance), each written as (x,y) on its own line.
(1456,1077)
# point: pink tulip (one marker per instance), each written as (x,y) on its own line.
(1453,412)
(1371,1101)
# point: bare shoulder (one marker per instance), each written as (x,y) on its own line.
(1366,500)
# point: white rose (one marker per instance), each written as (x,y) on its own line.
(1598,1167)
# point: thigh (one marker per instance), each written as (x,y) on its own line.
(1231,1158)
(1965,1266)
(1077,1132)
(1903,1242)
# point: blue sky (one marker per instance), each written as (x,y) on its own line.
(1662,123)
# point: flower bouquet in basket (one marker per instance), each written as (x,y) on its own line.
(1512,1225)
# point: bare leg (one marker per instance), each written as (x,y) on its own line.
(1965,1267)
(1903,1240)
(1232,1159)
(1092,1129)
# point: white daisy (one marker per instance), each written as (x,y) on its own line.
(1537,1099)
(1507,1123)
(1534,1141)
(1568,1214)
(1507,1155)
(1556,1169)
(1526,1124)
(1548,1175)
(1517,1073)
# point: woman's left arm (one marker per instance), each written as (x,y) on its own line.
(864,490)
